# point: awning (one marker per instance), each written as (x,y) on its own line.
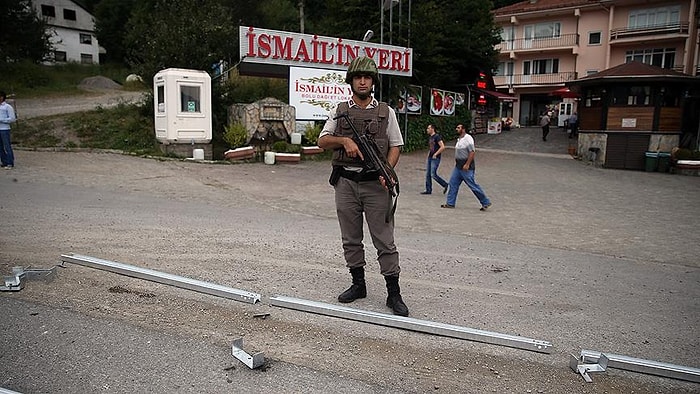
(497,95)
(564,93)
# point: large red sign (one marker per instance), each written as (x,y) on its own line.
(305,50)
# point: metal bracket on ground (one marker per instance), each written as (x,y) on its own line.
(16,281)
(254,361)
(412,324)
(162,277)
(642,366)
(578,364)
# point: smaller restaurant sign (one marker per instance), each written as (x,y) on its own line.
(314,92)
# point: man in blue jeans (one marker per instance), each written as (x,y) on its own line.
(464,171)
(7,117)
(435,148)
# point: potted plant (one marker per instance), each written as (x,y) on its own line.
(311,134)
(236,136)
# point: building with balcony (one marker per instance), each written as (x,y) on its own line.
(548,43)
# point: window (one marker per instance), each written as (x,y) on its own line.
(543,30)
(670,96)
(505,68)
(85,58)
(635,96)
(189,99)
(160,96)
(594,97)
(591,72)
(654,17)
(594,38)
(48,11)
(541,66)
(85,38)
(59,56)
(68,15)
(508,33)
(660,57)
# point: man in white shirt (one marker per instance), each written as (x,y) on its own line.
(464,171)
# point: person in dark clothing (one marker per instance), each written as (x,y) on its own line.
(544,122)
(435,148)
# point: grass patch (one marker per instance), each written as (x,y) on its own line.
(29,80)
(123,127)
(36,134)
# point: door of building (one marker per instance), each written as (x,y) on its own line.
(565,110)
(626,151)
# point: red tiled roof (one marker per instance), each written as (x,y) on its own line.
(542,5)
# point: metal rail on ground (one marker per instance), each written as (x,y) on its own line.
(162,277)
(412,324)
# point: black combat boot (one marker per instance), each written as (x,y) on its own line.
(358,288)
(394,300)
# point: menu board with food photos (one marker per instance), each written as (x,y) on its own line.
(443,102)
(410,101)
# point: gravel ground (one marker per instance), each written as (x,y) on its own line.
(583,257)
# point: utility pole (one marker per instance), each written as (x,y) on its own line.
(301,16)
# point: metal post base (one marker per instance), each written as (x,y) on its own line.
(16,281)
(579,365)
(590,359)
(254,361)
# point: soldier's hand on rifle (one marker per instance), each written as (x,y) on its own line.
(351,149)
(383,182)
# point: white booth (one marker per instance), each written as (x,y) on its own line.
(182,104)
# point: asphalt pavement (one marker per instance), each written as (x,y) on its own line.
(584,257)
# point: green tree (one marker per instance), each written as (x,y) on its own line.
(451,39)
(110,18)
(191,34)
(24,34)
(457,43)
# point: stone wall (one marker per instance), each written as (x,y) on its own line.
(267,121)
(586,141)
(186,150)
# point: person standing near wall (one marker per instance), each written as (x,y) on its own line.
(573,125)
(435,148)
(7,117)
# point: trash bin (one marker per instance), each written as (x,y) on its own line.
(664,161)
(651,163)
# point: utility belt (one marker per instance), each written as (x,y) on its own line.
(360,176)
(355,176)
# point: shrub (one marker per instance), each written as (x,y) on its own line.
(285,147)
(686,154)
(235,135)
(311,133)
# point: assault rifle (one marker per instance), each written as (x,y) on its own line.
(373,159)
